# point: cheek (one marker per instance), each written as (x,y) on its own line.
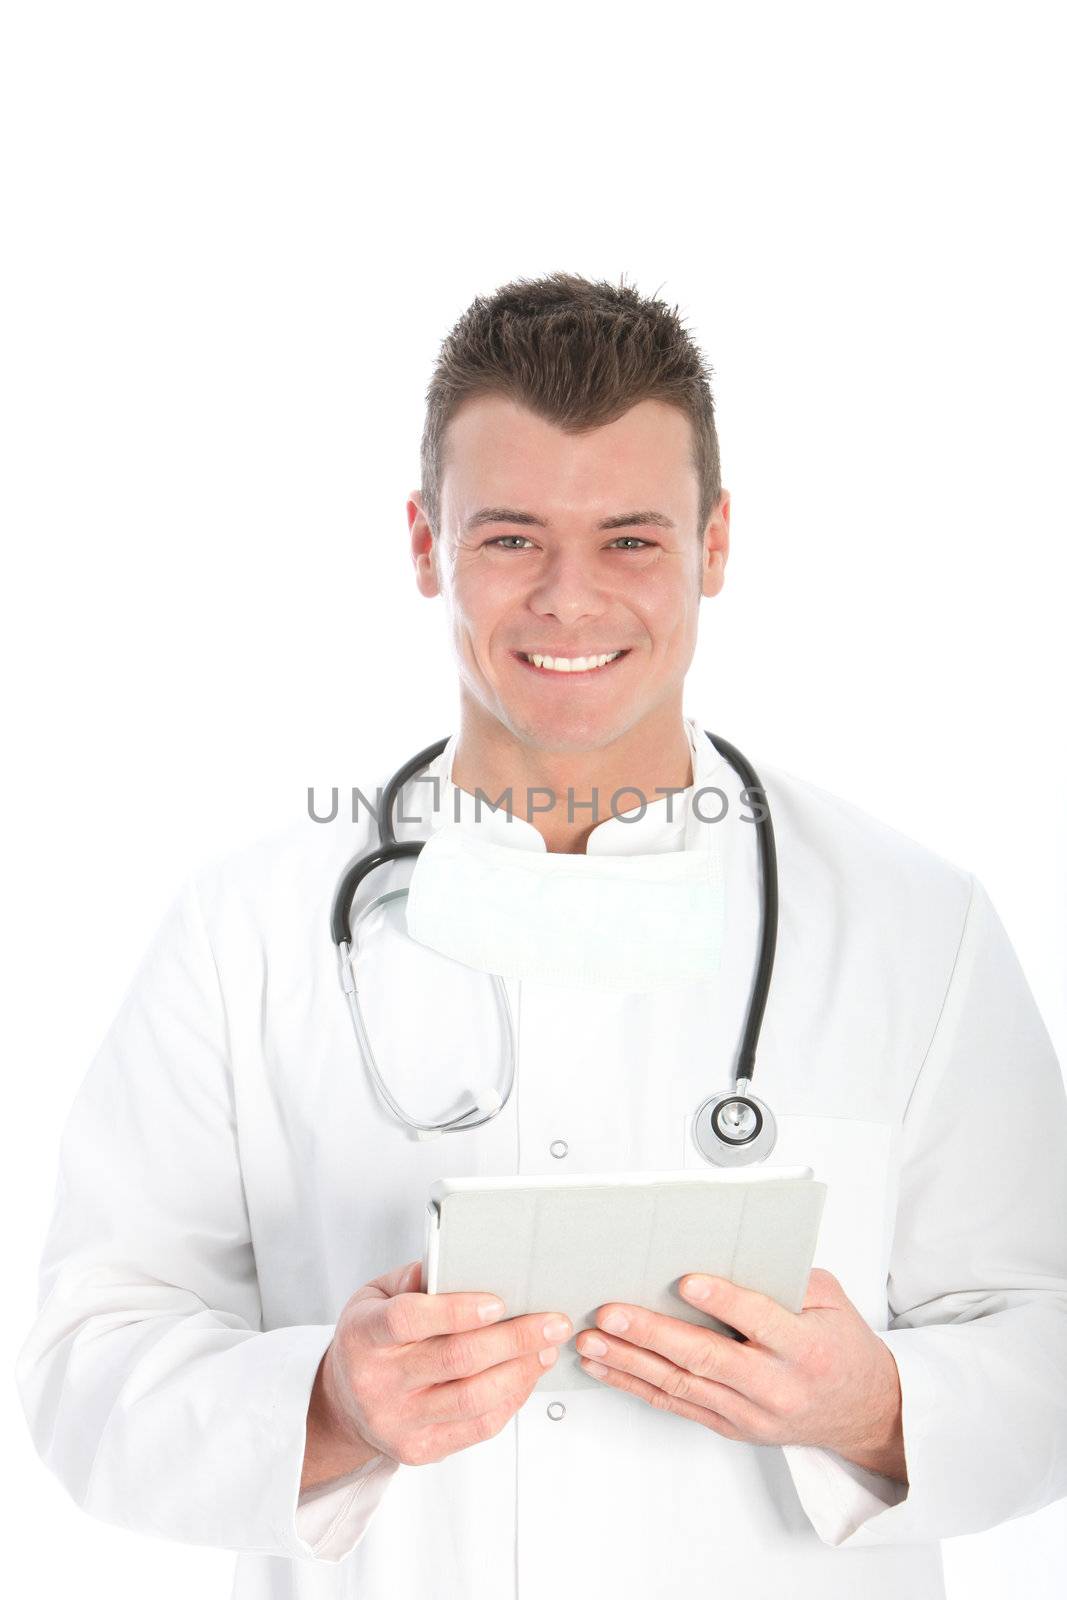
(467,611)
(478,633)
(495,624)
(669,613)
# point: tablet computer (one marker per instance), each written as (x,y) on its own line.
(571,1244)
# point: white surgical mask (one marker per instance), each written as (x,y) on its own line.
(604,921)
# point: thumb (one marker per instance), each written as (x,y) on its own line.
(401,1280)
(409,1278)
(824,1290)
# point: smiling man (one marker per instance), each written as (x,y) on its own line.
(573,566)
(234,1346)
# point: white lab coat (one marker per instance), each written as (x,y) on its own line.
(229,1177)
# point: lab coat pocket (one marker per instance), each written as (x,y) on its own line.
(859,1163)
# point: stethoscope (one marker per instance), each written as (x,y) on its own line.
(729,1129)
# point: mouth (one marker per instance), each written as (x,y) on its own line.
(570,666)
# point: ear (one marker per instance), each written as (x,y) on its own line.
(423,551)
(716,547)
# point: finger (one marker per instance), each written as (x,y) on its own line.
(740,1410)
(445,1439)
(615,1378)
(698,1349)
(824,1291)
(506,1383)
(762,1320)
(397,1281)
(408,1316)
(463,1353)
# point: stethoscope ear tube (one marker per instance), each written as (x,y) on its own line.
(488,1103)
(388,848)
(354,875)
(397,782)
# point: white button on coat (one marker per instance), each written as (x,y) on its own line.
(228,1177)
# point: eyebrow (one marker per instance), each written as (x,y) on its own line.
(627,519)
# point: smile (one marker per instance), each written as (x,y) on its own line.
(571,664)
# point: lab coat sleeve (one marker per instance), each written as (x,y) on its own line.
(978,1275)
(151,1389)
(332,1518)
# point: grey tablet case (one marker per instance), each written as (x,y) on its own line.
(573,1244)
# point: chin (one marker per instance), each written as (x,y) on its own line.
(570,730)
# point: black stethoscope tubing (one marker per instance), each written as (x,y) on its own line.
(390,849)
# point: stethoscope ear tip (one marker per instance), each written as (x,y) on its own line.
(487,1102)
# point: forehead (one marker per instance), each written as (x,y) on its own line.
(498,450)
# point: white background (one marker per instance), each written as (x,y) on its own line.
(235,237)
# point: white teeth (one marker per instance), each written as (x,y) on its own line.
(572,664)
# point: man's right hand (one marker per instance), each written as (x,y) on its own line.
(419,1376)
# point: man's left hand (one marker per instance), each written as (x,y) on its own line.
(819,1376)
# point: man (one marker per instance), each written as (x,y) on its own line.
(233,1346)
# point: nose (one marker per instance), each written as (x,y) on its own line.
(567,588)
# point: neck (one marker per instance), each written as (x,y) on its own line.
(565,790)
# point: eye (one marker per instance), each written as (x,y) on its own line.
(512,541)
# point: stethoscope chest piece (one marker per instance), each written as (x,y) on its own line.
(732,1130)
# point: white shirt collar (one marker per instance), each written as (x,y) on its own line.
(431,800)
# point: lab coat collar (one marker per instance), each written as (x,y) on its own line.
(434,800)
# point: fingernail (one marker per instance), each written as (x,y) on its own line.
(546,1357)
(491,1310)
(697,1289)
(557,1329)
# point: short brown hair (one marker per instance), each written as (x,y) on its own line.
(579,354)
